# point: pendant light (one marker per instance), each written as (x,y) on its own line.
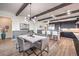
(30,14)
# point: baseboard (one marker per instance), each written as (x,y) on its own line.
(8,38)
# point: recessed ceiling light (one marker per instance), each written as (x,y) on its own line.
(34,17)
(68,12)
(28,15)
(48,22)
(53,17)
(25,17)
(34,20)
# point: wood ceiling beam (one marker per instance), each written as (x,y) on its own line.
(66,18)
(51,22)
(75,11)
(45,18)
(22,8)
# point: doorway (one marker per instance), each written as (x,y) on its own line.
(5,27)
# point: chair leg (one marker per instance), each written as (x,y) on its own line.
(48,50)
(19,50)
(16,46)
(23,53)
(41,53)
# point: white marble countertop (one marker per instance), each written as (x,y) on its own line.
(74,30)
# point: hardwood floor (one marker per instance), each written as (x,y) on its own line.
(64,47)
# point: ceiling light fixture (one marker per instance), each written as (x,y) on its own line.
(48,21)
(34,17)
(53,17)
(25,18)
(29,16)
(68,12)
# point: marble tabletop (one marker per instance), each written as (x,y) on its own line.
(33,38)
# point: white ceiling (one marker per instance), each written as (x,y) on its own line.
(10,7)
(37,8)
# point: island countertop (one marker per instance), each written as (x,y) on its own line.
(74,30)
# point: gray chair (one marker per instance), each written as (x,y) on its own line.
(42,45)
(16,34)
(24,46)
(56,34)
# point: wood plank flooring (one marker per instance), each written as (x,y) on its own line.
(64,47)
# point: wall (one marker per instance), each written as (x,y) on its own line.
(57,25)
(65,25)
(68,25)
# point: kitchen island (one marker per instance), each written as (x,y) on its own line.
(70,32)
(74,34)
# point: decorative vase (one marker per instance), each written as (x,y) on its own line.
(3,35)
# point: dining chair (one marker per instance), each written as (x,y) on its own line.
(24,46)
(42,45)
(15,35)
(43,32)
(56,34)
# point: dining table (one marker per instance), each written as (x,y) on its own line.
(32,39)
